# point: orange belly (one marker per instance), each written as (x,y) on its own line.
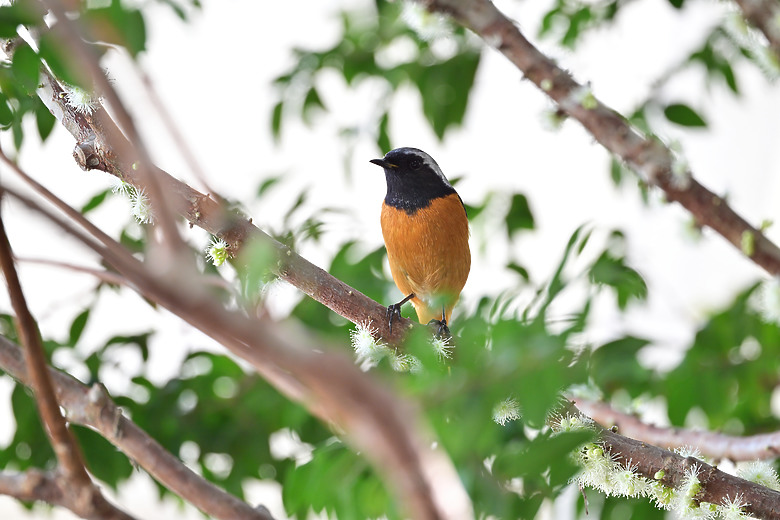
(429,254)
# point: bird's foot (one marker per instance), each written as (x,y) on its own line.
(442,331)
(393,313)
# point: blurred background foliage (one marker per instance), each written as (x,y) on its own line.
(220,417)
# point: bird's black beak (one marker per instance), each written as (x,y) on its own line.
(383,163)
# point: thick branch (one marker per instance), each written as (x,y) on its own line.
(717,486)
(714,445)
(83,497)
(654,463)
(765,15)
(93,408)
(378,424)
(645,155)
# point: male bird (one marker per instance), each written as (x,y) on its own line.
(426,234)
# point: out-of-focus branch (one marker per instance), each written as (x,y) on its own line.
(646,155)
(714,445)
(83,497)
(93,408)
(669,468)
(135,154)
(386,429)
(765,15)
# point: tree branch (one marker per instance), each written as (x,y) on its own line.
(645,155)
(380,425)
(83,497)
(201,210)
(717,487)
(669,468)
(714,445)
(92,407)
(765,15)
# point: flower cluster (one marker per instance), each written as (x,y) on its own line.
(602,471)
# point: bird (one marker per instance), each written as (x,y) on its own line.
(426,234)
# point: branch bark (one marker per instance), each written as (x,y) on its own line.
(714,445)
(764,15)
(83,498)
(644,154)
(93,408)
(92,152)
(654,463)
(385,428)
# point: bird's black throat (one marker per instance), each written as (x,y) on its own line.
(411,192)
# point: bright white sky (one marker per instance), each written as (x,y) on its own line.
(503,146)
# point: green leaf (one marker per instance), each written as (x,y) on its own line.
(267,184)
(519,215)
(77,326)
(14,15)
(44,120)
(383,135)
(312,103)
(6,116)
(677,4)
(61,62)
(26,67)
(612,271)
(683,115)
(276,120)
(118,25)
(445,89)
(615,366)
(95,201)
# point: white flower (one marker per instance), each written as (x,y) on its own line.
(506,411)
(427,25)
(625,482)
(732,508)
(368,350)
(141,206)
(217,251)
(761,472)
(442,347)
(81,100)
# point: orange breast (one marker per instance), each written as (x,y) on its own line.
(429,254)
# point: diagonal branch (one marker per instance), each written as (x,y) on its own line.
(93,408)
(644,154)
(671,469)
(714,445)
(201,210)
(83,497)
(386,429)
(765,15)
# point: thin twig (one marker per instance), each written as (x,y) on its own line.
(92,407)
(645,155)
(714,445)
(84,497)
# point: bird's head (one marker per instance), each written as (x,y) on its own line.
(413,179)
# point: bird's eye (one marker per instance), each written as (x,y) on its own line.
(415,163)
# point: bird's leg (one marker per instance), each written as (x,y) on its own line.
(443,332)
(394,311)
